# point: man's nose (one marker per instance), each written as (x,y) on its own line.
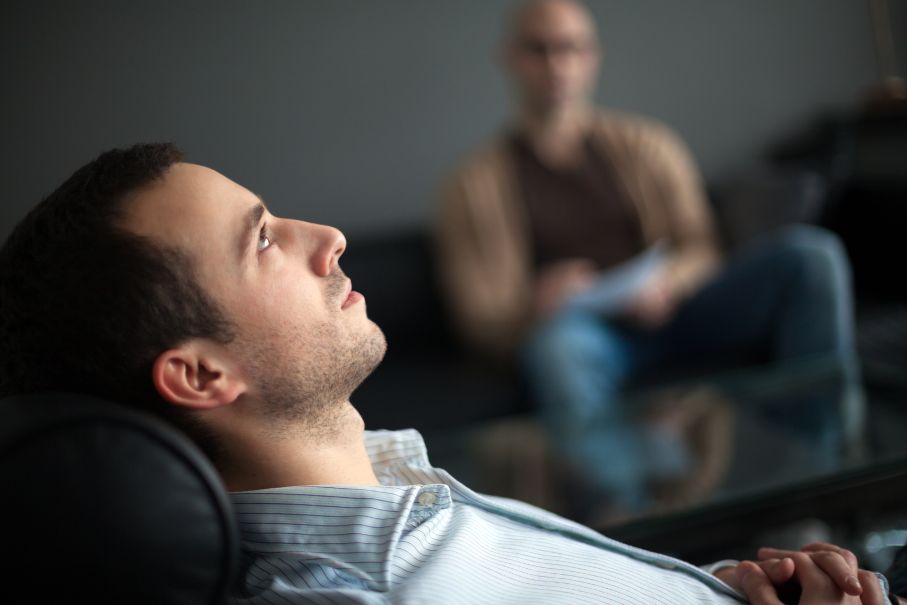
(331,245)
(556,59)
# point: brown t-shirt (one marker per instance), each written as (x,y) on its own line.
(576,212)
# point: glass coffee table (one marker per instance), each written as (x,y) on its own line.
(761,482)
(778,487)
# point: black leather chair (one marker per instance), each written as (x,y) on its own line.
(101,504)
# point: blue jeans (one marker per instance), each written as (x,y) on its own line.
(786,297)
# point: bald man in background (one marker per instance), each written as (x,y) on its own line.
(571,190)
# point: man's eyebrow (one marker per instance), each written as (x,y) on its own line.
(250,227)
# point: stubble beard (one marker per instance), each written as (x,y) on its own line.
(313,397)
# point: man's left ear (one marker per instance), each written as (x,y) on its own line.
(199,374)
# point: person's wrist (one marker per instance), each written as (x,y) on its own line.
(722,569)
(728,575)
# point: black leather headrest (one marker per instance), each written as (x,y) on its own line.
(101,504)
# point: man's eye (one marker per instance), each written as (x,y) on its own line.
(264,240)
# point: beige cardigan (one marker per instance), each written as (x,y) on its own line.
(483,235)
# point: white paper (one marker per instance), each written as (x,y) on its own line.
(613,289)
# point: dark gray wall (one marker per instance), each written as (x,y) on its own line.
(349,112)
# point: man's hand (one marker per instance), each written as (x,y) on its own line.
(777,571)
(816,587)
(558,281)
(819,573)
(654,306)
(839,564)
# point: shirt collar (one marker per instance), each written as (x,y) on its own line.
(352,528)
(387,449)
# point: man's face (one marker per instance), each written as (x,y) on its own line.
(303,337)
(553,56)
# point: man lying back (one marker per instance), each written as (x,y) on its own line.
(166,286)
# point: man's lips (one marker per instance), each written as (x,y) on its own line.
(352,297)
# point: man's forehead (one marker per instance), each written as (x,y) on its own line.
(553,16)
(187,199)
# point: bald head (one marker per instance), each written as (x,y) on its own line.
(552,54)
(566,13)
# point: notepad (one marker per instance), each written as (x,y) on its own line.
(614,288)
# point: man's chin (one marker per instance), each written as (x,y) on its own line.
(379,348)
(555,101)
(372,352)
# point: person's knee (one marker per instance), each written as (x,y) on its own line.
(569,336)
(563,332)
(560,330)
(811,240)
(814,252)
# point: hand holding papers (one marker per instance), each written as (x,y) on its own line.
(615,288)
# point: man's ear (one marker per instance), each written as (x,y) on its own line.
(198,374)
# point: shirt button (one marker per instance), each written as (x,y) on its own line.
(426,499)
(665,565)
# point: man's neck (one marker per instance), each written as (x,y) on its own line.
(301,457)
(557,135)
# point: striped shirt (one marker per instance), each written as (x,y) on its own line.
(423,537)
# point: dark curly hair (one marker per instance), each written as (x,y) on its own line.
(87,306)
